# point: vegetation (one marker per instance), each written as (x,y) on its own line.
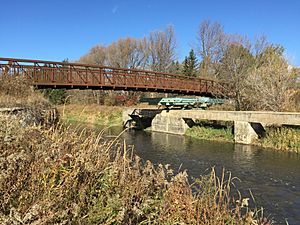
(60,176)
(155,52)
(56,96)
(100,97)
(282,138)
(91,114)
(16,92)
(190,65)
(221,131)
(258,75)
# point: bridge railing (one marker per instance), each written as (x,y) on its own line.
(60,74)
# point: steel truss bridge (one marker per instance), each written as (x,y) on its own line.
(48,74)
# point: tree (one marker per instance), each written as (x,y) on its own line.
(190,65)
(127,53)
(271,80)
(161,47)
(211,43)
(175,67)
(234,69)
(55,96)
(96,55)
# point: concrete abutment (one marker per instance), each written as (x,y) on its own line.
(244,133)
(164,122)
(248,126)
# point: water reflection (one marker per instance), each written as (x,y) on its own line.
(243,156)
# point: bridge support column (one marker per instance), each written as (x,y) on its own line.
(169,123)
(244,132)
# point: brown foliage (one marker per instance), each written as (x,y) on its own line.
(60,176)
(155,52)
(270,82)
(16,91)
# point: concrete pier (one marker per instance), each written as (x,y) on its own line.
(165,122)
(244,133)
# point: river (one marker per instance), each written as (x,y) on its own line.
(273,177)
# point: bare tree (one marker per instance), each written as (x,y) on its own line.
(211,44)
(127,53)
(234,69)
(271,80)
(96,55)
(161,47)
(261,43)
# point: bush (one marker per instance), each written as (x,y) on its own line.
(55,96)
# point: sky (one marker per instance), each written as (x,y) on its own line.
(63,29)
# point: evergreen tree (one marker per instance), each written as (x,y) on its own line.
(190,65)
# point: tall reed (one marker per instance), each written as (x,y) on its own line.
(64,176)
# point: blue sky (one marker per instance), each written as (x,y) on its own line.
(59,29)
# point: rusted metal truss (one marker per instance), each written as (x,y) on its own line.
(47,74)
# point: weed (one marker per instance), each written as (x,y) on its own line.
(61,176)
(210,133)
(282,138)
(92,114)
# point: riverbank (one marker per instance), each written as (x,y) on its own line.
(278,138)
(91,114)
(58,176)
(282,138)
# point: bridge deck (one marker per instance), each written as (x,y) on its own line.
(48,74)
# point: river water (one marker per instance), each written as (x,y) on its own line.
(273,177)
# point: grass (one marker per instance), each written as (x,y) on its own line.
(210,131)
(91,114)
(282,138)
(60,176)
(279,138)
(16,92)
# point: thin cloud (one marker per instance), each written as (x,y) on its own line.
(115,9)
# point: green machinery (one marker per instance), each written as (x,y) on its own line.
(183,103)
(186,103)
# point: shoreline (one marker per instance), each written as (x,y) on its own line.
(285,139)
(281,139)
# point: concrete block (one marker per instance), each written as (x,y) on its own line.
(165,122)
(244,133)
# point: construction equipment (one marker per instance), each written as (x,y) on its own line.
(187,103)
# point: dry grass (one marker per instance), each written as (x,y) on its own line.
(91,114)
(60,176)
(282,138)
(16,92)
